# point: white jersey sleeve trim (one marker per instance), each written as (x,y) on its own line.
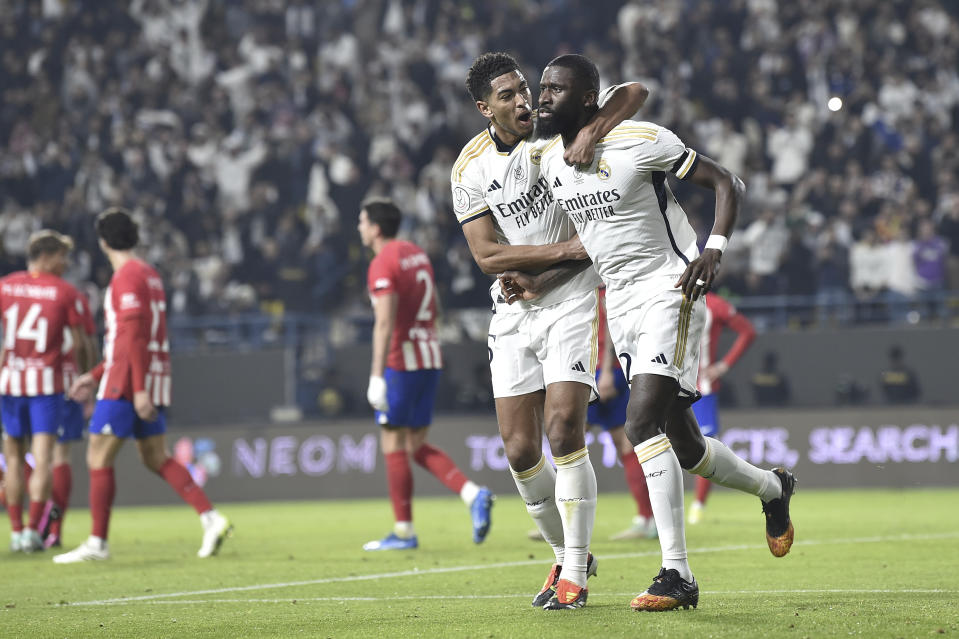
(474,216)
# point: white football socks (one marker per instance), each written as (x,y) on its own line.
(722,466)
(664,478)
(537,487)
(576,500)
(468,492)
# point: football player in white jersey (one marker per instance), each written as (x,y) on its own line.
(645,251)
(543,353)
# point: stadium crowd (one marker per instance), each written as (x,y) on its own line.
(244,134)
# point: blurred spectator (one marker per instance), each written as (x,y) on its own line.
(930,252)
(899,383)
(850,391)
(789,146)
(767,239)
(798,265)
(902,280)
(949,229)
(868,270)
(770,385)
(832,278)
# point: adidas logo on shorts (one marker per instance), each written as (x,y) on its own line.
(659,359)
(578,366)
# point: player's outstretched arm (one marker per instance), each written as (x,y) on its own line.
(517,285)
(699,275)
(493,257)
(623,102)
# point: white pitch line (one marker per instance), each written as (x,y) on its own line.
(298,600)
(509,564)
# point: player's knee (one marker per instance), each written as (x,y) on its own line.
(623,445)
(95,459)
(640,429)
(688,453)
(154,462)
(41,466)
(564,427)
(521,452)
(14,465)
(645,416)
(152,458)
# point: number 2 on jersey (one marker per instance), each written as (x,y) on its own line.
(425,314)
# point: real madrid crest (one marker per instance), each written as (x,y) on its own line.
(602,170)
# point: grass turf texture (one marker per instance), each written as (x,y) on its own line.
(865,563)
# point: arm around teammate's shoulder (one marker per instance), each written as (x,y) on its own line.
(622,102)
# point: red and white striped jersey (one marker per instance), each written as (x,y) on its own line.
(136,351)
(403,269)
(720,314)
(38,311)
(70,368)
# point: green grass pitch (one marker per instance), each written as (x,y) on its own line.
(865,563)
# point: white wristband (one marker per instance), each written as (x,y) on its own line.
(717,242)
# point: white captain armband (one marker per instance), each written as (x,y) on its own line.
(717,242)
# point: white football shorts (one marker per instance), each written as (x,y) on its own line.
(559,343)
(661,337)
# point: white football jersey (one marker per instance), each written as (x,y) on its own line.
(628,219)
(508,186)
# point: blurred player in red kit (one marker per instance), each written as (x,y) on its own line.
(42,315)
(404,374)
(79,359)
(720,314)
(134,391)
